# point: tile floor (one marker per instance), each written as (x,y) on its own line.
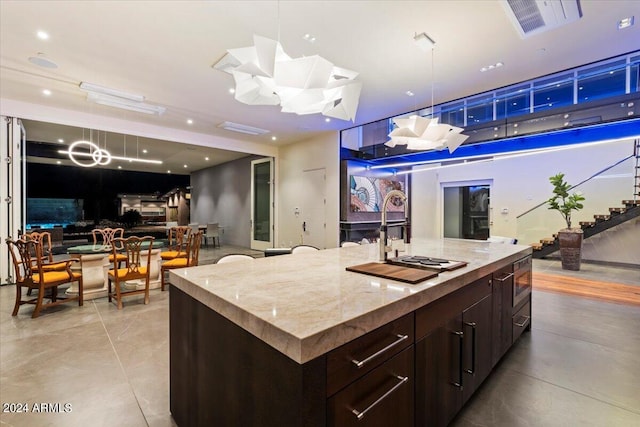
(578,367)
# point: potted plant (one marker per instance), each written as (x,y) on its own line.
(131,218)
(570,239)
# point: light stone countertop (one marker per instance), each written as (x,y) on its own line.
(305,305)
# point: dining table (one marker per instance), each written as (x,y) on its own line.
(94,265)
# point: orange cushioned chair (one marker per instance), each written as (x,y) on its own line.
(105,236)
(33,273)
(193,251)
(43,239)
(178,237)
(134,248)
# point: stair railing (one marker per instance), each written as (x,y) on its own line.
(636,184)
(604,189)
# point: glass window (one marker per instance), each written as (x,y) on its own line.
(453,114)
(635,74)
(553,93)
(601,81)
(512,102)
(479,110)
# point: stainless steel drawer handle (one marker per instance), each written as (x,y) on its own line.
(523,323)
(360,414)
(360,363)
(505,278)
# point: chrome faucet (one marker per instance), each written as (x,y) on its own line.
(383,223)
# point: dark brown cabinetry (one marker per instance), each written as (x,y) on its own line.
(453,351)
(381,398)
(511,305)
(370,379)
(418,370)
(477,339)
(502,312)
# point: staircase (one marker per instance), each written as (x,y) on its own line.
(616,216)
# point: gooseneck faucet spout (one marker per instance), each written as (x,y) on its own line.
(383,222)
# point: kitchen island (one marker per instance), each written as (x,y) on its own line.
(297,340)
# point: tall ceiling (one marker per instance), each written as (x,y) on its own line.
(165,50)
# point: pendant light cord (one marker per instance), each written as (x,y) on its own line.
(432,80)
(278,3)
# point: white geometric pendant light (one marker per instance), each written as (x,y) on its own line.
(265,75)
(421,133)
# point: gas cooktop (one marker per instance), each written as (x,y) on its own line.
(425,262)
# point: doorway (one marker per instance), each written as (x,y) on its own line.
(314,203)
(466,210)
(262,204)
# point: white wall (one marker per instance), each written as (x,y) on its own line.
(523,182)
(322,151)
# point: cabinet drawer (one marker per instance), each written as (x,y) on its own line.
(520,320)
(383,397)
(354,359)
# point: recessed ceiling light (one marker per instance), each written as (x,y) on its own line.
(59,162)
(185,166)
(189,121)
(206,158)
(328,119)
(168,171)
(46,92)
(60,140)
(273,138)
(626,22)
(119,167)
(309,37)
(145,151)
(42,35)
(409,93)
(491,66)
(232,90)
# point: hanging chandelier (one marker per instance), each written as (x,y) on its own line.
(265,75)
(421,133)
(88,154)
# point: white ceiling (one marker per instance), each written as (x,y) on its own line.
(164,50)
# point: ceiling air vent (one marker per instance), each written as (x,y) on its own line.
(237,127)
(537,16)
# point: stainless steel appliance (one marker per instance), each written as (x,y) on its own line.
(521,280)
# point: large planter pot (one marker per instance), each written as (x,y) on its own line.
(570,248)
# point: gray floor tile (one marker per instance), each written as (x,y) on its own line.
(602,372)
(577,367)
(512,399)
(608,324)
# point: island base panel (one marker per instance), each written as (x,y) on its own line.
(222,375)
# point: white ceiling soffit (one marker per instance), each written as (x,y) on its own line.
(537,16)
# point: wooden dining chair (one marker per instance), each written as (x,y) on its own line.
(135,248)
(32,273)
(193,253)
(43,240)
(105,236)
(178,237)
